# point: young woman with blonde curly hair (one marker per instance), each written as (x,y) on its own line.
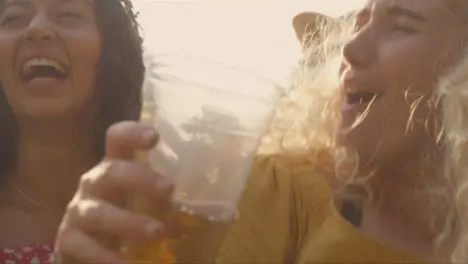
(384,119)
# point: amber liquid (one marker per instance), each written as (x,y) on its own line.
(200,229)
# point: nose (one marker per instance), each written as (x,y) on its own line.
(361,50)
(39,28)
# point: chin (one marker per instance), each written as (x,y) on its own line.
(367,148)
(47,110)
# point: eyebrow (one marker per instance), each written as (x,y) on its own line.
(87,3)
(77,1)
(21,3)
(400,11)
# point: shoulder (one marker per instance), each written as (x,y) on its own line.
(284,199)
(287,175)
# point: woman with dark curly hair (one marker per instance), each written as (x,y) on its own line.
(68,70)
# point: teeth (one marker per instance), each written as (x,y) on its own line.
(27,67)
(358,91)
(352,90)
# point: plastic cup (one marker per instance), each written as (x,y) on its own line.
(210,118)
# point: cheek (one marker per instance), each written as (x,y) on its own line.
(8,50)
(412,68)
(8,46)
(410,77)
(84,57)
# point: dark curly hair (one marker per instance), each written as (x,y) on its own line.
(118,82)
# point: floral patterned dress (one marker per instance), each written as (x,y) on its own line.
(37,254)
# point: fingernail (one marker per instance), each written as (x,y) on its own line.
(154,228)
(149,135)
(163,185)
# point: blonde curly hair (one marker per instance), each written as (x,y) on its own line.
(453,93)
(308,117)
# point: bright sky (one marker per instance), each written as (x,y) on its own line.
(255,35)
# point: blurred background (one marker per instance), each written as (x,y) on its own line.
(255,35)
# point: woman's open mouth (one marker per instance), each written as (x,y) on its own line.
(359,99)
(41,68)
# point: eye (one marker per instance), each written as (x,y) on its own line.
(11,18)
(70,14)
(403,28)
(7,20)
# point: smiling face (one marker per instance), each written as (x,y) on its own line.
(390,68)
(49,52)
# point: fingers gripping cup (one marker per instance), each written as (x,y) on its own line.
(210,119)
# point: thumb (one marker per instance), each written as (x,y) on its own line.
(124,138)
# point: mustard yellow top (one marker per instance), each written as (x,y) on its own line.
(287,216)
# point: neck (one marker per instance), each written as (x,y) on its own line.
(51,158)
(410,211)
